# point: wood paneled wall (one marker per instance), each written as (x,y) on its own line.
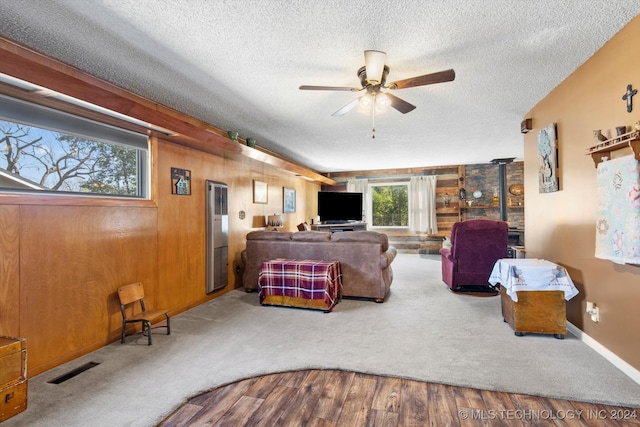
(181,219)
(9,271)
(450,179)
(72,259)
(62,263)
(62,258)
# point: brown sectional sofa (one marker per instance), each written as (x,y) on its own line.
(365,257)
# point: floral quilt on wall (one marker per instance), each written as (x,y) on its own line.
(618,217)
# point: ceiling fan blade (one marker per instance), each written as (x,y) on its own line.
(427,79)
(400,104)
(344,110)
(344,88)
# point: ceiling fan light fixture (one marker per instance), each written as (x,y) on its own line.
(374,65)
(382,101)
(366,101)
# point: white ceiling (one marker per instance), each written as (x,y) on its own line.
(237,64)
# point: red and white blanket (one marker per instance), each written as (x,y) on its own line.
(306,279)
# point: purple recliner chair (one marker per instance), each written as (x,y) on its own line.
(476,245)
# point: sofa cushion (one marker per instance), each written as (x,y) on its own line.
(362,236)
(311,236)
(269,235)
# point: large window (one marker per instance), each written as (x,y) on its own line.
(42,149)
(390,205)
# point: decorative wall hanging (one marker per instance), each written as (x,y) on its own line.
(462,193)
(288,200)
(628,96)
(516,189)
(180,182)
(548,181)
(618,213)
(259,192)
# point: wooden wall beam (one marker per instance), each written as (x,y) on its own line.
(374,173)
(28,65)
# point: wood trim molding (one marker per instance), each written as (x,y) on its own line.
(28,65)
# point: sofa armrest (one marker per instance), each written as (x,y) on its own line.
(446,253)
(387,257)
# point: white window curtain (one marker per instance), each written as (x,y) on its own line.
(361,186)
(422,213)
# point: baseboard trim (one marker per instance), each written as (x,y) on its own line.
(627,369)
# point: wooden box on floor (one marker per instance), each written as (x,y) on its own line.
(539,312)
(13,376)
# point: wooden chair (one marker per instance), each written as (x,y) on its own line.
(129,295)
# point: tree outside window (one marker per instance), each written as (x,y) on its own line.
(390,205)
(34,158)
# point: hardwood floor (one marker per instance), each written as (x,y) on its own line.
(340,398)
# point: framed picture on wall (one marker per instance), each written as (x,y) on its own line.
(180,181)
(288,200)
(548,181)
(259,192)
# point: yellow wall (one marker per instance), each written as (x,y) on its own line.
(561,226)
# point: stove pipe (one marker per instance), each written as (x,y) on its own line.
(502,180)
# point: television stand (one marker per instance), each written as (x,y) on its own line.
(339,227)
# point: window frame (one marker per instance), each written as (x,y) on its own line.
(109,131)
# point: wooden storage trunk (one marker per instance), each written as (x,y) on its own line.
(540,312)
(13,376)
(13,400)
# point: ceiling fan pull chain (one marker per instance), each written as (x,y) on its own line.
(373,117)
(373,123)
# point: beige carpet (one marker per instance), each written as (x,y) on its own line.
(422,332)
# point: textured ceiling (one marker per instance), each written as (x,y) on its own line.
(237,64)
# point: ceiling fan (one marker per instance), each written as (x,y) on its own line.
(373,79)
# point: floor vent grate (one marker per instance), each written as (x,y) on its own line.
(73,373)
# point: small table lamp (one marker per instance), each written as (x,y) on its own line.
(275,221)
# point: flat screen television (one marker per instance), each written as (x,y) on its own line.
(337,207)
